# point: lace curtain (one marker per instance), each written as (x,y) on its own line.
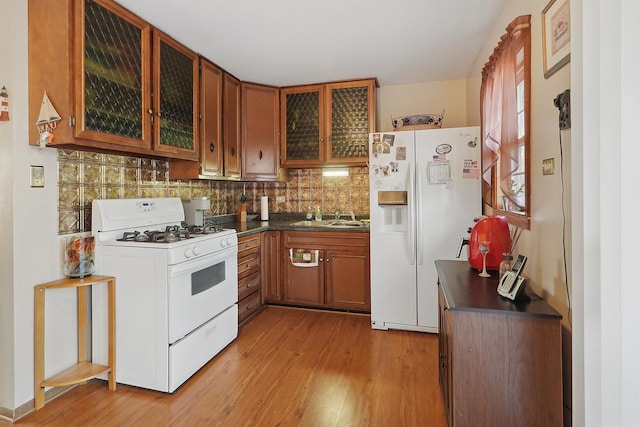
(498,99)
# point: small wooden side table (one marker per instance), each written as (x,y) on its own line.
(83,370)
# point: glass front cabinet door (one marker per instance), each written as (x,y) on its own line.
(113,76)
(327,124)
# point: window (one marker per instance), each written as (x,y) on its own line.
(505,99)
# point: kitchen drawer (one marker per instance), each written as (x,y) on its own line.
(248,245)
(248,285)
(248,264)
(326,240)
(248,306)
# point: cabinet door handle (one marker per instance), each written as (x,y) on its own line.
(150,111)
(328,259)
(158,113)
(260,155)
(233,151)
(211,147)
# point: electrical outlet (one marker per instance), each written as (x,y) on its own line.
(279,199)
(548,166)
(37,176)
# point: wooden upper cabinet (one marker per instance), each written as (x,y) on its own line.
(211,144)
(327,124)
(231,118)
(95,64)
(260,132)
(113,75)
(175,98)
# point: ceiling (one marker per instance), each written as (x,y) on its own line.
(292,42)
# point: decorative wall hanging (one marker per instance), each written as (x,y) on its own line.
(47,121)
(4,105)
(556,36)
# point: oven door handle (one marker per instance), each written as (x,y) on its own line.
(195,264)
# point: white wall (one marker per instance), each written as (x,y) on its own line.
(423,98)
(6,215)
(606,345)
(31,215)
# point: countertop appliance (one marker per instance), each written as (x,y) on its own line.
(495,230)
(424,189)
(176,290)
(194,209)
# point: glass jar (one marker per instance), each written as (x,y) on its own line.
(78,256)
(505,264)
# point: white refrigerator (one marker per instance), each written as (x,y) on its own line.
(425,192)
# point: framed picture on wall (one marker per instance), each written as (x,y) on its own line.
(556,36)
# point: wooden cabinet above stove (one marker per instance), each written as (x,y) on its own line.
(99,65)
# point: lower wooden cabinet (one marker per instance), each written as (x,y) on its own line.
(272,267)
(249,280)
(500,362)
(326,269)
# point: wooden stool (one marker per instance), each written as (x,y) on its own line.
(83,370)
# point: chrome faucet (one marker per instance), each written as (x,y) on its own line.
(337,215)
(353,216)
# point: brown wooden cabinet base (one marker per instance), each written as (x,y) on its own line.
(339,278)
(249,276)
(500,362)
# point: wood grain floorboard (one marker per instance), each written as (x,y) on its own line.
(288,367)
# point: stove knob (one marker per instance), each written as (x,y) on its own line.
(188,253)
(229,241)
(223,243)
(196,250)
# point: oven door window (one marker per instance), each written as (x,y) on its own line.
(207,278)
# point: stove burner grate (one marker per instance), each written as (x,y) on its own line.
(172,233)
(205,229)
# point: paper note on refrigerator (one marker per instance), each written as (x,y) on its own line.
(438,172)
(471,169)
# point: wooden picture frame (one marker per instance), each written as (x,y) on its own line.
(556,36)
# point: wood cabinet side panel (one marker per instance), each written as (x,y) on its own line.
(516,359)
(49,50)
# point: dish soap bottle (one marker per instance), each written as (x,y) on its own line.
(318,214)
(309,214)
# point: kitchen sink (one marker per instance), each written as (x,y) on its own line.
(333,223)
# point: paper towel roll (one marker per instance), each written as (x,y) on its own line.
(264,208)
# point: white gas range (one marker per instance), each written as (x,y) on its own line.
(176,290)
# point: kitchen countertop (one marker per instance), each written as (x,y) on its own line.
(276,222)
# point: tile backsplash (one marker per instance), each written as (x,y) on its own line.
(84,176)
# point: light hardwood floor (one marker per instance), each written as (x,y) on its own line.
(288,367)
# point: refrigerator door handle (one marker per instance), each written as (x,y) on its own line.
(411,238)
(419,236)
